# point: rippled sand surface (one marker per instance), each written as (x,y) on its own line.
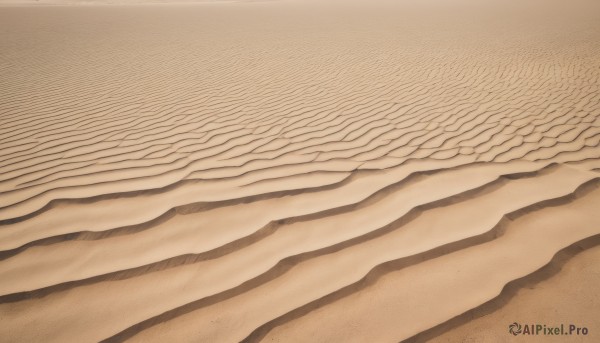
(296,170)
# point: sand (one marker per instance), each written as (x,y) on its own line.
(552,294)
(298,170)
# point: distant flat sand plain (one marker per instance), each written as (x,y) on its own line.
(299,171)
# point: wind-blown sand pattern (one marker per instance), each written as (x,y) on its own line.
(294,171)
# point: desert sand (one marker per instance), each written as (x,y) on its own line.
(298,170)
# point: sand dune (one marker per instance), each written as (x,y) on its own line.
(293,170)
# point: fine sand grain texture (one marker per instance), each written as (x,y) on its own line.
(545,297)
(298,170)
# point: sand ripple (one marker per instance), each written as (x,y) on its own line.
(278,170)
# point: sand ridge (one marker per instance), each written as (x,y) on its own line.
(307,161)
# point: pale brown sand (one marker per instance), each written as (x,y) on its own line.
(294,170)
(556,294)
